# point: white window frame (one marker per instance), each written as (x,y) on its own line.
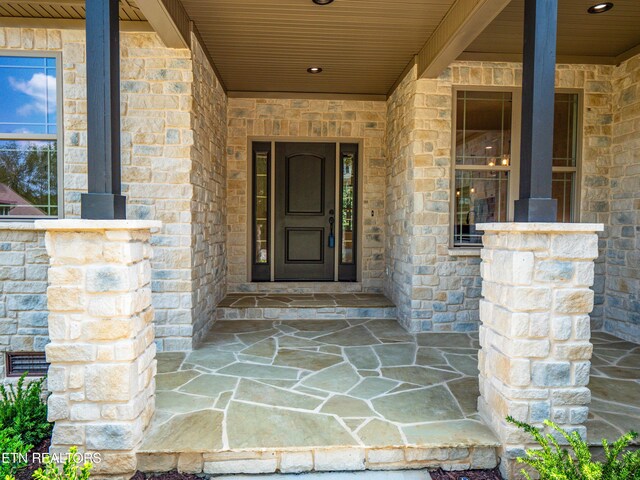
(514,167)
(58,137)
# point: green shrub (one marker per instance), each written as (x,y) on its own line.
(554,462)
(12,449)
(71,469)
(23,411)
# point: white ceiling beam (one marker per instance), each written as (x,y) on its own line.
(464,21)
(161,20)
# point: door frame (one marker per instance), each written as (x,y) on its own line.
(249,201)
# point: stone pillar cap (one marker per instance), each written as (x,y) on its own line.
(95,225)
(524,227)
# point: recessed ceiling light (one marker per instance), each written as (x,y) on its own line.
(600,7)
(322,2)
(314,70)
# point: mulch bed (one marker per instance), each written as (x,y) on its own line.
(435,475)
(470,474)
(165,476)
(27,472)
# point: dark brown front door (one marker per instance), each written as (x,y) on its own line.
(305,210)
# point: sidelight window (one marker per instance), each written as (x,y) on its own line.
(261,210)
(348,211)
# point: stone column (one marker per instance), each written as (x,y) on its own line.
(535,328)
(102,350)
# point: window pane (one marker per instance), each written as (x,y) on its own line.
(261,206)
(563,191)
(483,128)
(29,95)
(565,130)
(480,196)
(28,178)
(347,204)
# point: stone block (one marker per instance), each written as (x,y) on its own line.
(573,351)
(157,462)
(68,434)
(57,408)
(551,374)
(338,459)
(109,383)
(107,329)
(573,301)
(561,328)
(190,463)
(115,464)
(526,299)
(296,462)
(557,272)
(70,353)
(84,412)
(111,278)
(248,466)
(574,246)
(379,456)
(113,436)
(484,458)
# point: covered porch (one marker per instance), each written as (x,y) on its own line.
(184,333)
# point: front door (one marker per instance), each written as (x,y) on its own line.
(305,226)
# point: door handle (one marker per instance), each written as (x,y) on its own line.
(332,238)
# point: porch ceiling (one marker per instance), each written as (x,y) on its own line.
(580,34)
(61,9)
(363,46)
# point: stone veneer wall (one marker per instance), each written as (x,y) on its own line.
(296,119)
(622,313)
(445,287)
(401,163)
(173,130)
(209,180)
(23,290)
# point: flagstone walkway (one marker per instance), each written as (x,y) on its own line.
(309,384)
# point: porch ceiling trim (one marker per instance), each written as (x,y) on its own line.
(69,3)
(517,58)
(196,33)
(463,23)
(405,72)
(169,20)
(632,52)
(309,96)
(68,24)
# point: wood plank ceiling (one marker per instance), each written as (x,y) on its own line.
(267,45)
(362,45)
(62,9)
(580,34)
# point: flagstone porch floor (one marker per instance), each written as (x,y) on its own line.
(349,393)
(346,395)
(615,388)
